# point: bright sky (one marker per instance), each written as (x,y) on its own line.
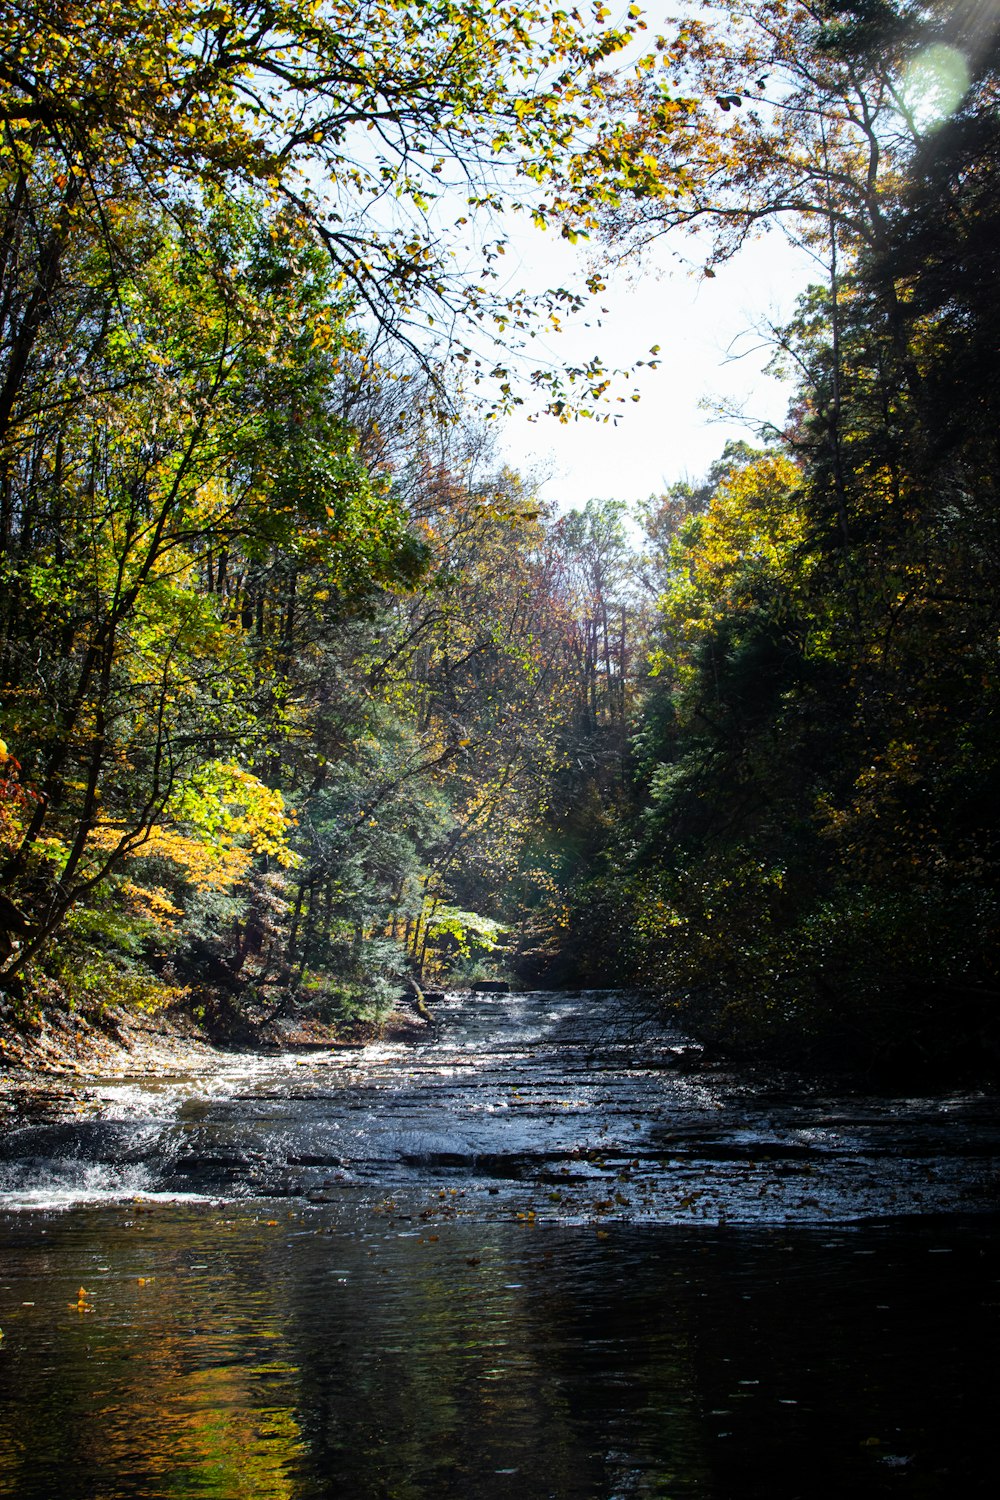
(708,350)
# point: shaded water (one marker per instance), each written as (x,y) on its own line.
(540,1255)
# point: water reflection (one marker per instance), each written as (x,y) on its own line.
(302,1356)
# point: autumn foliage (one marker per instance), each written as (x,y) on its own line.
(302,690)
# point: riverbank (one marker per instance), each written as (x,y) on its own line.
(44,1062)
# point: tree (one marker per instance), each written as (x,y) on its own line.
(140,531)
(800,113)
(213,219)
(816,863)
(382,130)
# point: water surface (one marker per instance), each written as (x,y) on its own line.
(543,1254)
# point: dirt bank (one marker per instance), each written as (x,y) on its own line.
(46,1063)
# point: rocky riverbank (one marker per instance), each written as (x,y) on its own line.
(43,1061)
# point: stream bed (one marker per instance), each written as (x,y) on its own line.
(545,1252)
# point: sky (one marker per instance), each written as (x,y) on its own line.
(705,329)
(708,351)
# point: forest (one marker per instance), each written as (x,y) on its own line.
(304,692)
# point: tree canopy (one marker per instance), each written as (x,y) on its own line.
(301,690)
(392,133)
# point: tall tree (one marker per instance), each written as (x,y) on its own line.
(386,130)
(817,858)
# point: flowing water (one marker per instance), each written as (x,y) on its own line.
(544,1253)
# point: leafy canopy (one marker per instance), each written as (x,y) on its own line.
(383,127)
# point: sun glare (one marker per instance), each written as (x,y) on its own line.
(935,83)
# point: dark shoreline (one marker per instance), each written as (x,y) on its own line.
(47,1067)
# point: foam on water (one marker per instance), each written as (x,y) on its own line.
(67,1182)
(580,1109)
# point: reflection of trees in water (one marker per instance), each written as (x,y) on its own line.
(525,1373)
(295,1359)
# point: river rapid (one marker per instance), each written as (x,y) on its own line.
(545,1252)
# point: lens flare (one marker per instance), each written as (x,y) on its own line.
(935,84)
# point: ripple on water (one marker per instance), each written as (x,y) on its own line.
(576,1110)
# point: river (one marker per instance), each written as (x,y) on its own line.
(546,1252)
